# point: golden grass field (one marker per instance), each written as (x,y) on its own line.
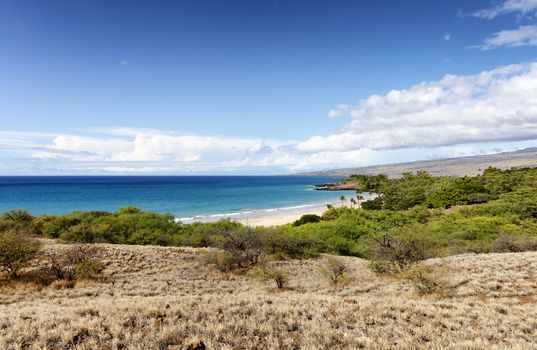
(168,298)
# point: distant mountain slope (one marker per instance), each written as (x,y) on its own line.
(446,167)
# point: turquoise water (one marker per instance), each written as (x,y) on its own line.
(182,196)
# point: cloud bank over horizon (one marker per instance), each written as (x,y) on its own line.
(442,116)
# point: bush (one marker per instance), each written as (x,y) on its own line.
(244,246)
(88,269)
(506,243)
(425,280)
(383,267)
(406,248)
(271,273)
(16,250)
(18,220)
(372,204)
(283,244)
(221,259)
(79,261)
(307,218)
(335,270)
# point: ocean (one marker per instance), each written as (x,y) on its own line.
(186,197)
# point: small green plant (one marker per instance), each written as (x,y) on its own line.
(506,243)
(221,259)
(335,270)
(244,246)
(88,269)
(425,279)
(406,248)
(269,272)
(280,276)
(383,267)
(16,250)
(79,261)
(307,218)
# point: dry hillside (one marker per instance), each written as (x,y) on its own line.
(462,166)
(167,298)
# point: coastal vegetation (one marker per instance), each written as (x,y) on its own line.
(351,278)
(492,212)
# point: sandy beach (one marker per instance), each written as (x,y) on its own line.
(276,216)
(282,217)
(269,217)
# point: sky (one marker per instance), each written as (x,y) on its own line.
(261,87)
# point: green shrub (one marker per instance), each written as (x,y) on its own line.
(18,220)
(295,245)
(221,259)
(306,219)
(383,267)
(271,273)
(244,246)
(372,204)
(16,250)
(75,262)
(425,279)
(335,270)
(506,243)
(89,269)
(406,247)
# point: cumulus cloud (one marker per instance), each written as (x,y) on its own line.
(437,117)
(522,36)
(155,147)
(523,7)
(338,111)
(495,105)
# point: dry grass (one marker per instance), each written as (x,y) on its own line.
(167,298)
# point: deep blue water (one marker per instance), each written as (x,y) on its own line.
(182,196)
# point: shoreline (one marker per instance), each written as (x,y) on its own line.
(265,217)
(273,216)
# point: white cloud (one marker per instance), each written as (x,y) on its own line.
(90,145)
(495,105)
(438,117)
(338,111)
(447,37)
(151,146)
(523,7)
(522,36)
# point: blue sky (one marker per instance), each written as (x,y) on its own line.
(260,87)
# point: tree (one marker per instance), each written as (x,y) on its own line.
(405,248)
(342,198)
(16,250)
(335,270)
(271,273)
(244,246)
(353,202)
(18,220)
(307,218)
(17,216)
(77,260)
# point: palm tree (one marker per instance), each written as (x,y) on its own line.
(342,198)
(353,202)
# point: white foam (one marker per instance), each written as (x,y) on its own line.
(299,207)
(183,219)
